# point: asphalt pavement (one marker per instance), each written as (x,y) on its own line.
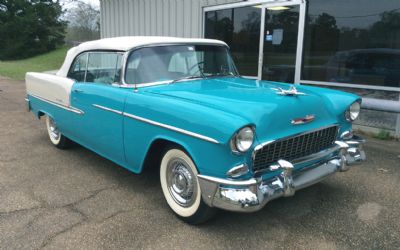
(75,199)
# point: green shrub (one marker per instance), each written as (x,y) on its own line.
(383,135)
(30,27)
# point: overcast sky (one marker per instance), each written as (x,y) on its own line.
(93,2)
(68,4)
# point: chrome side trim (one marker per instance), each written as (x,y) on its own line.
(179,130)
(108,109)
(68,108)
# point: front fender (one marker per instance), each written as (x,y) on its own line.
(336,101)
(149,117)
(210,158)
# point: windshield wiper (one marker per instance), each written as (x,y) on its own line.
(203,76)
(185,78)
(223,74)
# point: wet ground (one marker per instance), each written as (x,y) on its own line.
(75,199)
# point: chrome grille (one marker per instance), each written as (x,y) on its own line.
(294,147)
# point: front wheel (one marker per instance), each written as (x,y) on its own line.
(179,182)
(56,138)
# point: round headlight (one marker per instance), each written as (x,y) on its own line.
(353,111)
(243,140)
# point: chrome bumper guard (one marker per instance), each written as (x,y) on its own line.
(28,104)
(253,194)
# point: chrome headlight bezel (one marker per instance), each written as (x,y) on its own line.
(242,140)
(353,111)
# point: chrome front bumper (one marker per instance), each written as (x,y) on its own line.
(253,194)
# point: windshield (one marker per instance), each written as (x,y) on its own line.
(177,62)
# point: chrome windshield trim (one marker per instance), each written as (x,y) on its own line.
(69,108)
(108,109)
(179,130)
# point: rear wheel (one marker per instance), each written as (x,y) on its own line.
(179,182)
(56,138)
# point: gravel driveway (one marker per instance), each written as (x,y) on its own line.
(75,199)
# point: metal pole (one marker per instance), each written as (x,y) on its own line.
(381,105)
(398,123)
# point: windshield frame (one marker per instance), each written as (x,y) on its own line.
(138,85)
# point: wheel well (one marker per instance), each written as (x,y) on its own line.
(40,114)
(155,152)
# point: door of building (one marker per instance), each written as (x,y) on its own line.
(280,41)
(263,36)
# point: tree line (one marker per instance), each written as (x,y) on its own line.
(32,27)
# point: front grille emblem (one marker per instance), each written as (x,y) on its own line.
(303,120)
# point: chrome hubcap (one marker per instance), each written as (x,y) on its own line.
(54,133)
(181,182)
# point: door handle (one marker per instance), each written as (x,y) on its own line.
(78,91)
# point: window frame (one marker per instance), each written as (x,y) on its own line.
(72,66)
(88,52)
(301,33)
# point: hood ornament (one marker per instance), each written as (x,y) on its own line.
(292,91)
(303,120)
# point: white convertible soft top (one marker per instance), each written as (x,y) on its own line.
(126,43)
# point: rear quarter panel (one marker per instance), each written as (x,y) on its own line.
(53,88)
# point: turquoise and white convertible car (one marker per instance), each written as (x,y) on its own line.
(220,140)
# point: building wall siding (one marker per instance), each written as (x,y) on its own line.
(181,18)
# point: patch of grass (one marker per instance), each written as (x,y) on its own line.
(50,61)
(383,135)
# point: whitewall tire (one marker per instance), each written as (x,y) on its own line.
(55,136)
(179,183)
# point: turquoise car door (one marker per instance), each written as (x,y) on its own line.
(98,95)
(100,127)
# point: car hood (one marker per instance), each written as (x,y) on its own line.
(258,103)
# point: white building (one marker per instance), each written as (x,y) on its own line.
(350,45)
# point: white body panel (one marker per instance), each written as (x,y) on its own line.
(50,87)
